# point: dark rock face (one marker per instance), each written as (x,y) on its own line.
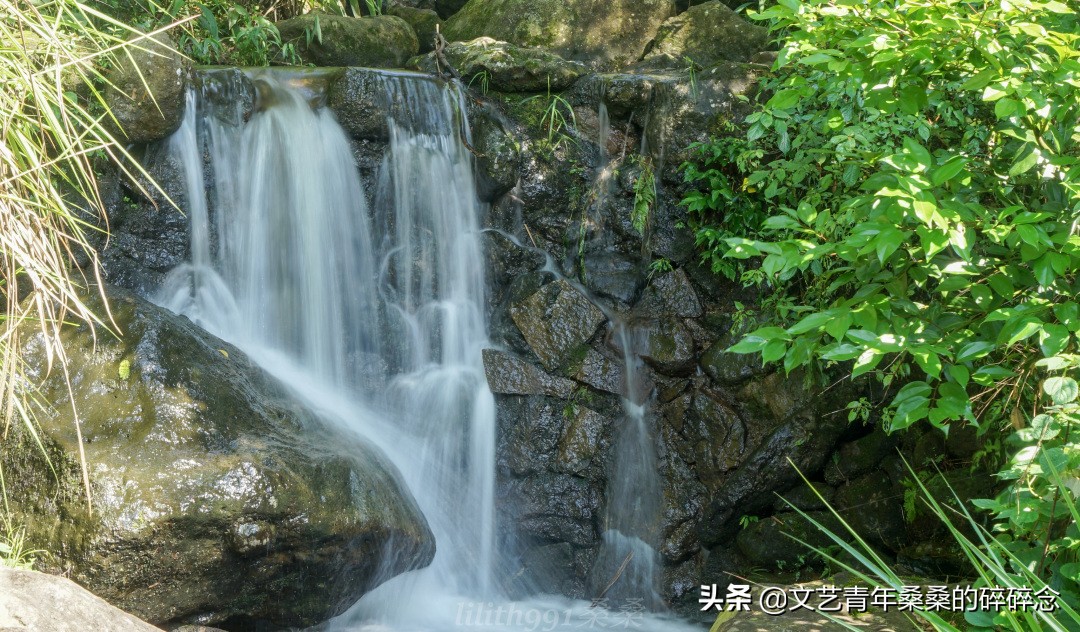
(384,41)
(217,498)
(146,91)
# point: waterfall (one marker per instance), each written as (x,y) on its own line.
(374,314)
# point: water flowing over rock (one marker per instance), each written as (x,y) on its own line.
(383,41)
(217,497)
(146,89)
(31,601)
(603,32)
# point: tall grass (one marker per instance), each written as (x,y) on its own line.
(52,130)
(989,559)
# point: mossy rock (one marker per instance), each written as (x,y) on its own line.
(607,33)
(485,64)
(385,41)
(217,498)
(707,34)
(425,22)
(146,89)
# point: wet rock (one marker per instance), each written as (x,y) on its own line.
(32,601)
(607,33)
(510,375)
(806,498)
(359,103)
(582,437)
(384,41)
(447,8)
(859,457)
(767,542)
(217,498)
(668,347)
(600,372)
(872,505)
(146,91)
(669,294)
(498,155)
(557,321)
(506,67)
(612,272)
(557,508)
(424,22)
(730,369)
(708,33)
(791,422)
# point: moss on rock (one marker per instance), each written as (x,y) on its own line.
(385,41)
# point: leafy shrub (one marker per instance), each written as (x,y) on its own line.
(917,163)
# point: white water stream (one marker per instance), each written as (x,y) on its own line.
(375,318)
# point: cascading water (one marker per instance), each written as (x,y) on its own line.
(335,298)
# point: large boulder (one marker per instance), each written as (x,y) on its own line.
(486,63)
(608,33)
(384,41)
(32,601)
(707,34)
(217,498)
(425,22)
(146,89)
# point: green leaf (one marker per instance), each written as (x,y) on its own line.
(949,170)
(784,99)
(1053,339)
(974,350)
(918,152)
(1062,390)
(1024,163)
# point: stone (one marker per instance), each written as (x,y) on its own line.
(510,375)
(34,602)
(767,542)
(146,89)
(498,154)
(730,369)
(668,347)
(557,321)
(872,505)
(383,41)
(860,456)
(580,440)
(485,63)
(447,8)
(358,100)
(600,372)
(424,22)
(806,498)
(605,32)
(669,294)
(708,34)
(217,498)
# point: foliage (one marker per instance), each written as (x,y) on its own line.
(918,166)
(558,116)
(14,552)
(222,31)
(720,207)
(991,559)
(644,195)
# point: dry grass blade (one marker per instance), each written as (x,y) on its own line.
(50,85)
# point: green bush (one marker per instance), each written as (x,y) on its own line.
(917,166)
